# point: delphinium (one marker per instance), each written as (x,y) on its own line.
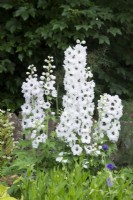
(34,109)
(110,111)
(76,120)
(48,79)
(83,134)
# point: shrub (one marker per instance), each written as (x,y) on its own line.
(6,137)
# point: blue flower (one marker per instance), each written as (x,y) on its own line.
(109,182)
(105,147)
(110,166)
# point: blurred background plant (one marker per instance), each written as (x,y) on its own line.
(6,137)
(124,156)
(4,194)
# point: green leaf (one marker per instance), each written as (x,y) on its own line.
(85,27)
(42,4)
(114,31)
(3,190)
(11,25)
(25,12)
(21,56)
(104,39)
(6,6)
(8,198)
(59,25)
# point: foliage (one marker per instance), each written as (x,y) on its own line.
(3,193)
(6,137)
(25,157)
(109,75)
(51,154)
(72,184)
(29,30)
(124,156)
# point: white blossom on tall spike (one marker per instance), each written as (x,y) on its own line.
(48,78)
(76,120)
(33,110)
(110,110)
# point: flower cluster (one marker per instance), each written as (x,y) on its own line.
(76,120)
(33,110)
(77,127)
(48,79)
(110,111)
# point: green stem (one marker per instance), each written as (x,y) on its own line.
(47,122)
(57,103)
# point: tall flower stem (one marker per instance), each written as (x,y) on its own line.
(57,102)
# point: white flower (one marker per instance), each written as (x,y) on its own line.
(49,85)
(76,120)
(35,144)
(85,138)
(76,149)
(64,161)
(47,92)
(33,111)
(110,111)
(33,135)
(71,137)
(97,152)
(46,105)
(85,166)
(43,137)
(103,125)
(59,159)
(113,134)
(54,93)
(61,153)
(88,149)
(26,109)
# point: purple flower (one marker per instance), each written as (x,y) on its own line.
(110,166)
(105,147)
(109,182)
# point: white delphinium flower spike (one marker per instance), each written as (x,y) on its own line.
(33,114)
(76,120)
(35,106)
(110,111)
(48,78)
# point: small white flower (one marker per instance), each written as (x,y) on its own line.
(61,153)
(46,105)
(64,161)
(33,135)
(54,93)
(59,159)
(97,152)
(35,144)
(85,138)
(88,149)
(76,149)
